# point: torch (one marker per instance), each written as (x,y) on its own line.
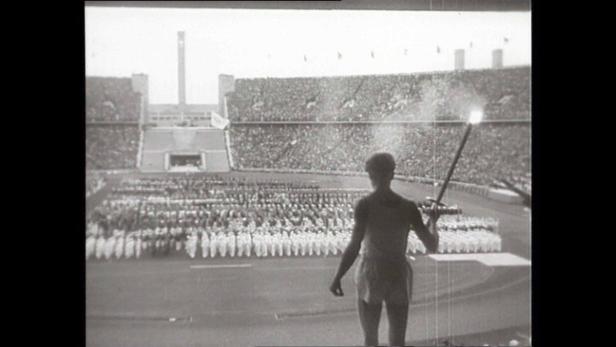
(475,118)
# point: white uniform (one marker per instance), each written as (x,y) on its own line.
(240,239)
(213,244)
(294,238)
(279,244)
(231,244)
(274,244)
(129,246)
(451,242)
(341,243)
(90,246)
(109,247)
(191,245)
(305,244)
(100,247)
(333,243)
(475,244)
(456,243)
(205,245)
(159,242)
(311,244)
(138,244)
(119,245)
(262,245)
(325,243)
(223,245)
(286,244)
(322,242)
(271,246)
(248,244)
(498,243)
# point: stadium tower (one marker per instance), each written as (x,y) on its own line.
(184,137)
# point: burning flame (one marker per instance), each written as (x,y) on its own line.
(475,117)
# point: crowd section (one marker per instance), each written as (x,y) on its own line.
(492,152)
(110,99)
(95,181)
(502,93)
(111,147)
(208,217)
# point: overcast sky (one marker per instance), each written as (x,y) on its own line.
(261,43)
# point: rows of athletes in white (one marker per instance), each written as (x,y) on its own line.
(457,235)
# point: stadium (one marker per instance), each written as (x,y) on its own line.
(222,224)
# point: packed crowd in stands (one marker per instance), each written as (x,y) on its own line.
(209,216)
(110,147)
(492,151)
(94,182)
(110,99)
(503,93)
(523,183)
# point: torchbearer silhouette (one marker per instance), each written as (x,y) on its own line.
(382,222)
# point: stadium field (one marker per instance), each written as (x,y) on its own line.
(285,301)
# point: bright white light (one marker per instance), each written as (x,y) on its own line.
(475,117)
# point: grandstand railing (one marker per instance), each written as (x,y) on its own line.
(438,122)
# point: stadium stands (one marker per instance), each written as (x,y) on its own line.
(111,99)
(114,143)
(503,93)
(493,151)
(94,182)
(111,146)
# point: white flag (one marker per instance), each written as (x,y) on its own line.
(218,122)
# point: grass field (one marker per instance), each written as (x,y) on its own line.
(284,301)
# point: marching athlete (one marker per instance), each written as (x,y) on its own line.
(205,243)
(90,246)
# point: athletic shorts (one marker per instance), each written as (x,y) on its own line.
(384,280)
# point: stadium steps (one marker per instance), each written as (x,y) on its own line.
(158,142)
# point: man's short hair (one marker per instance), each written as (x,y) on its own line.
(381,162)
